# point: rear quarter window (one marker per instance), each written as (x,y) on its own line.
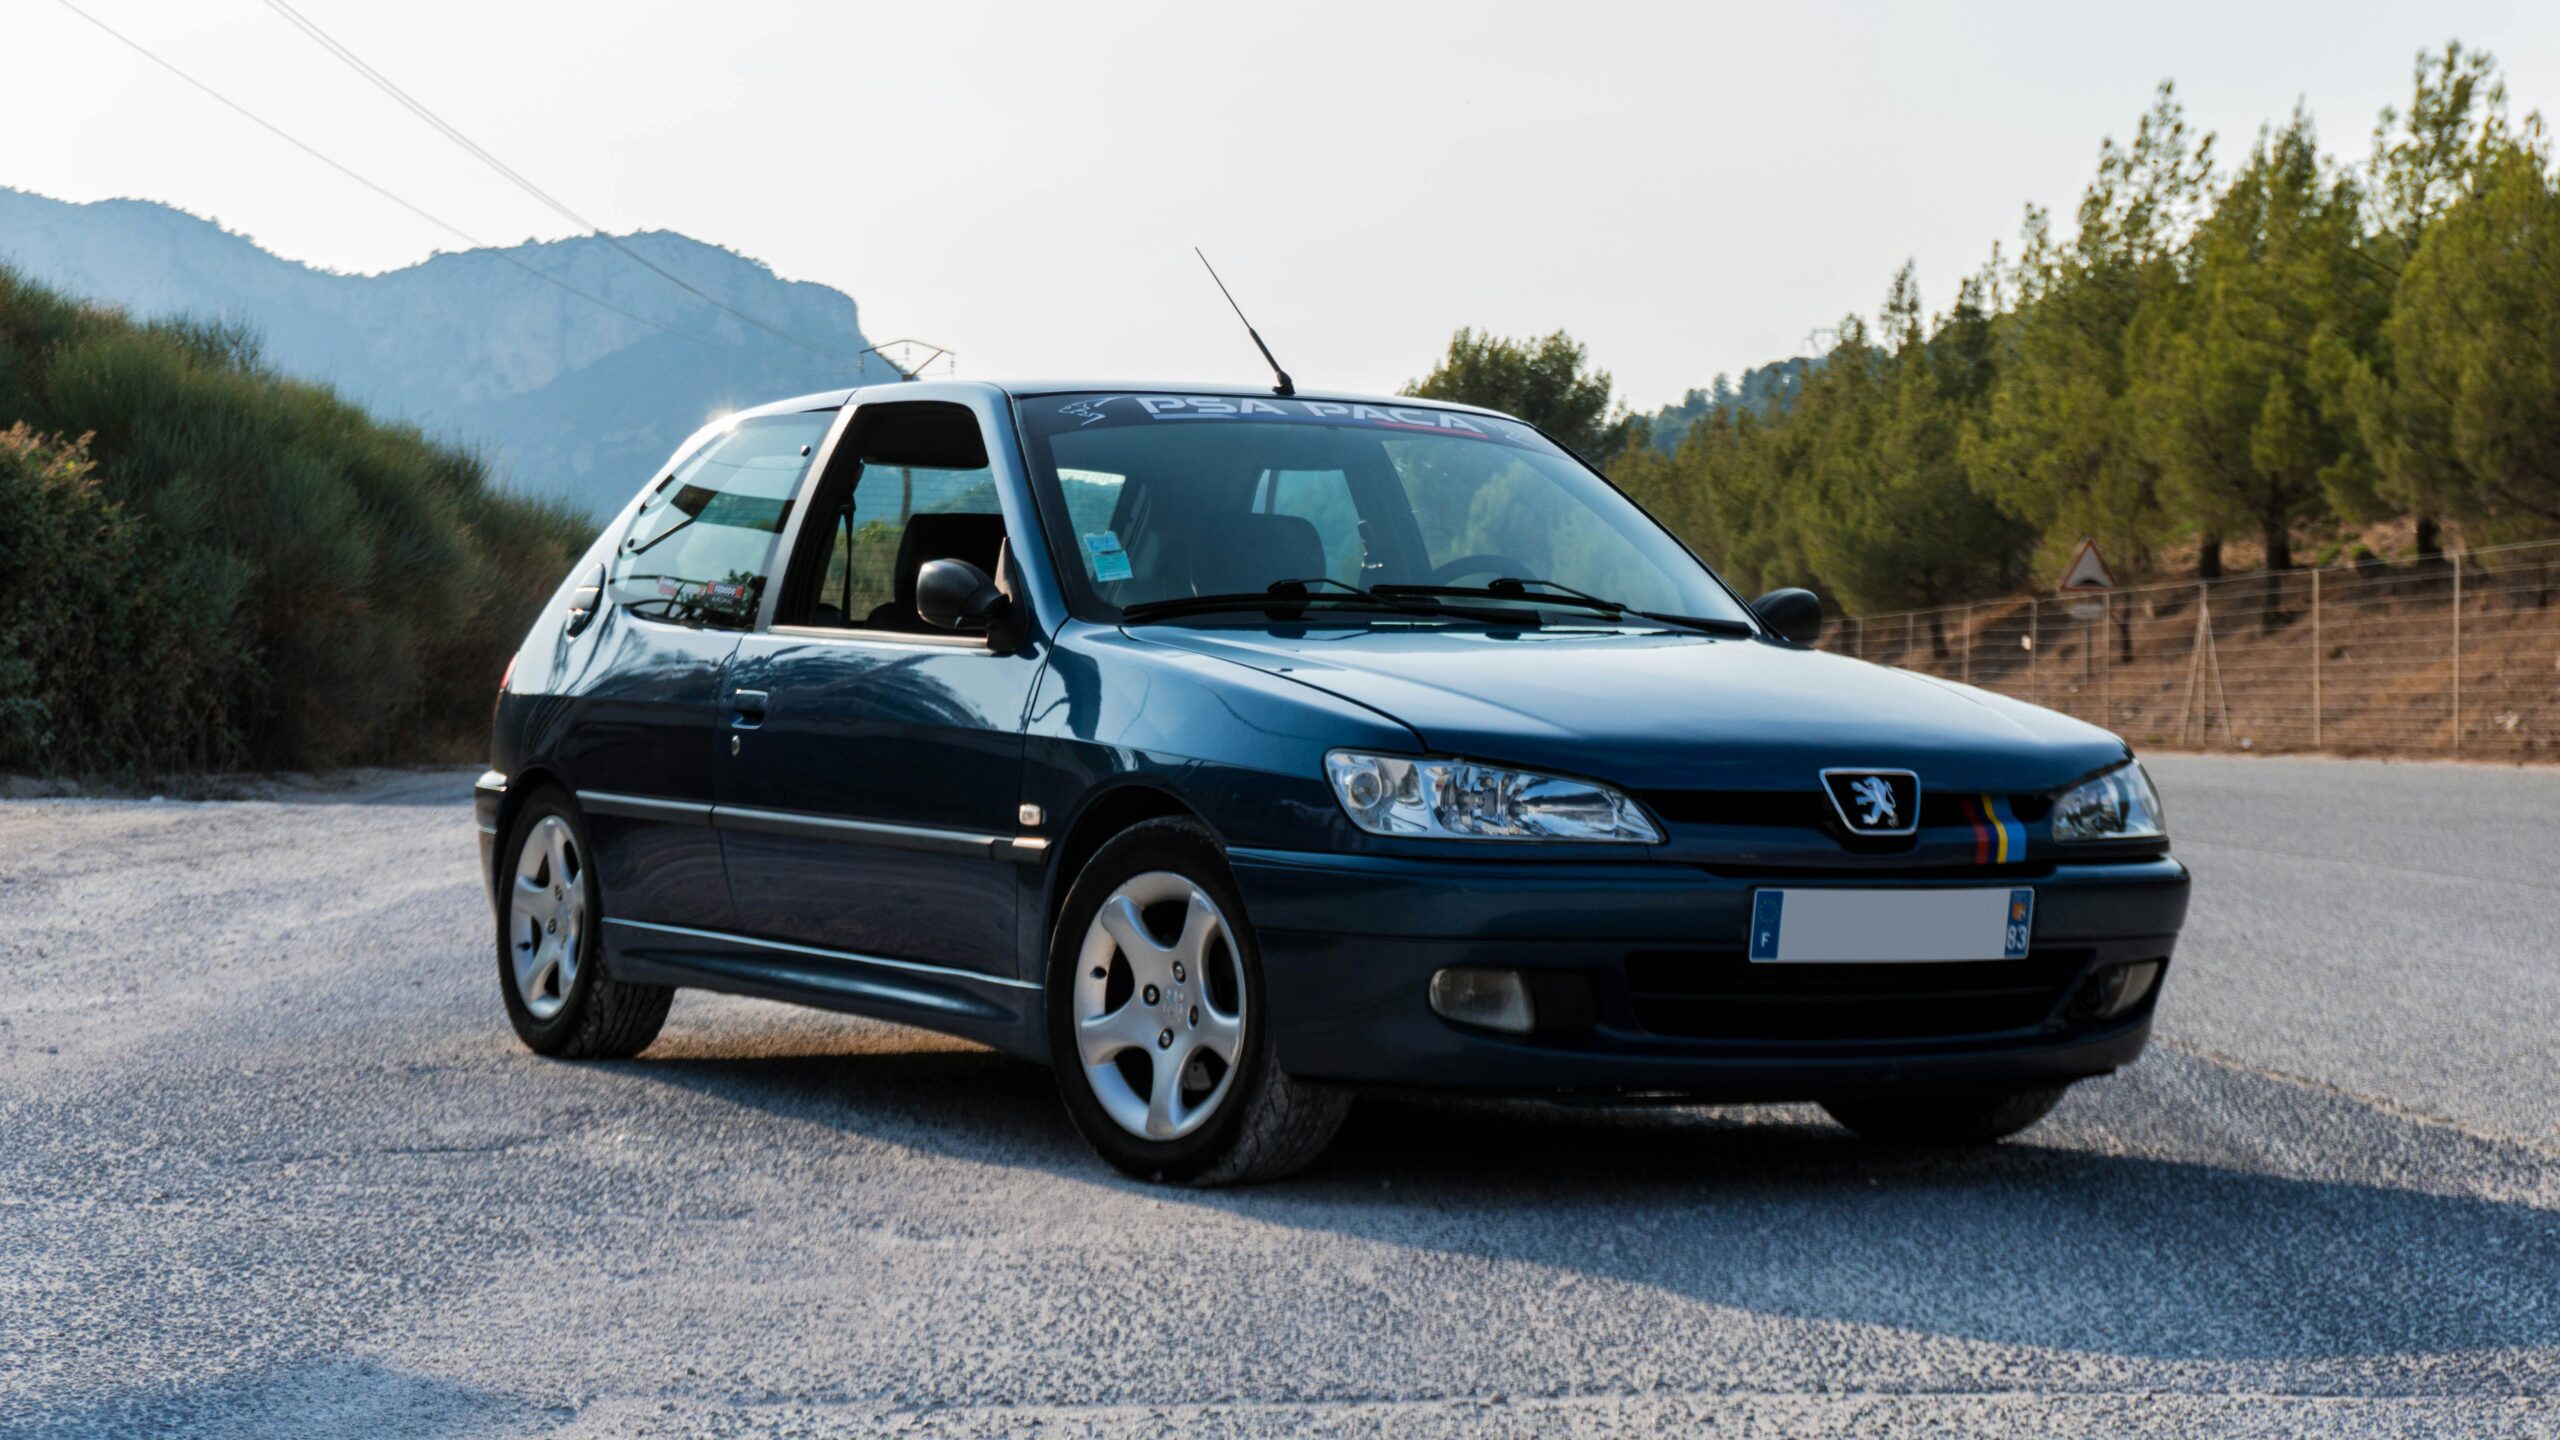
(701,547)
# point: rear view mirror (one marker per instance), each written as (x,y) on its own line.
(1795,614)
(956,595)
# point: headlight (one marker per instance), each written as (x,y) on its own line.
(2119,805)
(1459,800)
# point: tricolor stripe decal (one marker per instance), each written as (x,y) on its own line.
(1998,838)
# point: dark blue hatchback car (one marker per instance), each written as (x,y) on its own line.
(1234,751)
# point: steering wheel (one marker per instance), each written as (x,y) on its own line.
(1496,566)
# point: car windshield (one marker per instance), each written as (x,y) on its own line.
(1162,499)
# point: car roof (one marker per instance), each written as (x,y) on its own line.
(1347,397)
(1013,389)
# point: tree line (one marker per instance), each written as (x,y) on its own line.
(2269,354)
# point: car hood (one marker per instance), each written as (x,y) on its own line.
(1653,711)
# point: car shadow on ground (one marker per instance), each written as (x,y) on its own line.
(2059,1239)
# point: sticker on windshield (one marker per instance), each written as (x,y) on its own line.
(1104,556)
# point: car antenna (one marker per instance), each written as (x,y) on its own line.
(1284,388)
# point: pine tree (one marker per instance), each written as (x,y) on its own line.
(2056,442)
(2224,392)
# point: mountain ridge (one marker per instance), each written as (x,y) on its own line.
(566,398)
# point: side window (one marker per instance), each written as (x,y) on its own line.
(699,550)
(1322,498)
(921,491)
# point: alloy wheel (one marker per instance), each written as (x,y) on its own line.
(547,916)
(1159,1006)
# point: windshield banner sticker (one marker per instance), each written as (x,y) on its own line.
(1084,411)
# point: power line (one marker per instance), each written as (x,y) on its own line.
(382,82)
(439,222)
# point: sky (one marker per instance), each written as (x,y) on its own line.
(1687,188)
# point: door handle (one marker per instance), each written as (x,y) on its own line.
(746,708)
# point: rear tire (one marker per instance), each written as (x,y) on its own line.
(1979,1117)
(1158,1029)
(551,967)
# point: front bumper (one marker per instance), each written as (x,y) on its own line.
(488,803)
(1643,984)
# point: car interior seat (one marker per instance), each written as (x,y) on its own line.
(1245,552)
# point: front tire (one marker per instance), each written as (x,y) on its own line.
(551,970)
(1157,1026)
(1945,1120)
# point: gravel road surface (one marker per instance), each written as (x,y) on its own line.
(271,1165)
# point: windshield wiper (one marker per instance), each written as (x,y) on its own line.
(1295,595)
(1512,587)
(654,541)
(1703,624)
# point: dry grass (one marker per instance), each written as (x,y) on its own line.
(2371,668)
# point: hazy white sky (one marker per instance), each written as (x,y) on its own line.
(1686,188)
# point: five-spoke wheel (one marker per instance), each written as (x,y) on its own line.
(547,916)
(551,969)
(1159,1006)
(1163,1054)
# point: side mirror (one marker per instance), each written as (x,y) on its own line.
(1795,614)
(956,595)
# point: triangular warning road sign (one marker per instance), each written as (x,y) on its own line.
(2087,570)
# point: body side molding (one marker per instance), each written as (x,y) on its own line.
(643,807)
(846,956)
(1020,850)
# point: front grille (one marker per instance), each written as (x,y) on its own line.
(1769,809)
(1811,809)
(1721,995)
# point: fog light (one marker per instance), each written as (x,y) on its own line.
(2117,989)
(1492,999)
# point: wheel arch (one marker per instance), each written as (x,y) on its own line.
(521,788)
(1104,816)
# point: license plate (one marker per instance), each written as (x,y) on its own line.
(1870,927)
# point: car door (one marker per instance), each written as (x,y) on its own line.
(870,808)
(647,717)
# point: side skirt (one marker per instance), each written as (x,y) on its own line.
(1004,1013)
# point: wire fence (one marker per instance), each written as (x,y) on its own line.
(2457,654)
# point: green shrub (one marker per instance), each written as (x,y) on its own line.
(102,663)
(283,581)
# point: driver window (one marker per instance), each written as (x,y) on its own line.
(910,486)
